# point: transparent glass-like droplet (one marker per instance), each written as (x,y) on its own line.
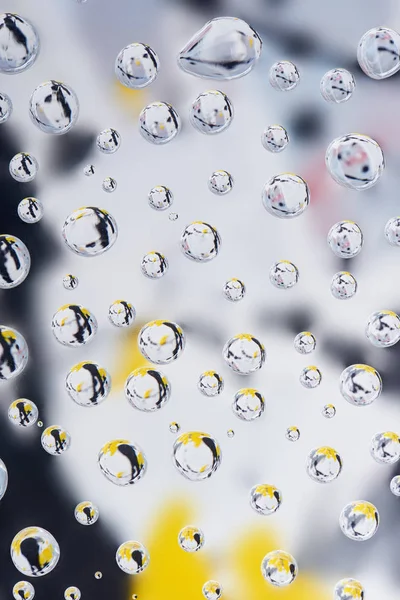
(220,182)
(54,107)
(191,539)
(275,138)
(132,557)
(345,239)
(383,328)
(15,261)
(348,589)
(284,274)
(13,353)
(200,242)
(279,568)
(212,590)
(286,196)
(108,141)
(378,52)
(23,413)
(23,590)
(211,112)
(136,65)
(90,231)
(359,520)
(225,48)
(196,455)
(70,282)
(392,231)
(159,123)
(355,161)
(109,184)
(19,43)
(160,197)
(284,76)
(343,285)
(360,384)
(244,354)
(337,86)
(6,107)
(30,210)
(34,551)
(23,167)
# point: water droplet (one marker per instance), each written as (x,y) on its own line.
(132,557)
(173,216)
(70,282)
(30,210)
(40,423)
(88,170)
(355,161)
(220,183)
(161,342)
(72,593)
(337,86)
(54,107)
(283,274)
(23,412)
(147,390)
(348,589)
(88,384)
(265,499)
(324,464)
(343,285)
(86,513)
(292,434)
(73,325)
(212,590)
(3,479)
(136,66)
(392,231)
(279,568)
(244,354)
(305,342)
(286,196)
(378,52)
(19,43)
(359,520)
(196,455)
(345,239)
(234,290)
(108,141)
(329,411)
(13,353)
(284,76)
(6,107)
(225,48)
(211,112)
(248,404)
(41,543)
(90,231)
(385,447)
(210,383)
(23,167)
(191,539)
(383,328)
(174,427)
(122,462)
(154,265)
(395,485)
(121,313)
(160,198)
(230,433)
(98,575)
(109,184)
(24,590)
(15,261)
(159,123)
(310,377)
(360,384)
(55,440)
(275,138)
(200,241)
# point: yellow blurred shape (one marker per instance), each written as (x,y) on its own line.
(173,574)
(128,358)
(247,553)
(131,100)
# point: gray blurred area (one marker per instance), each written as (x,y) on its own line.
(79,44)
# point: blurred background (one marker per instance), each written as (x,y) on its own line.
(79,44)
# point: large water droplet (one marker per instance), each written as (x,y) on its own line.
(225,48)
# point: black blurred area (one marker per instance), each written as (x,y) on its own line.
(36,494)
